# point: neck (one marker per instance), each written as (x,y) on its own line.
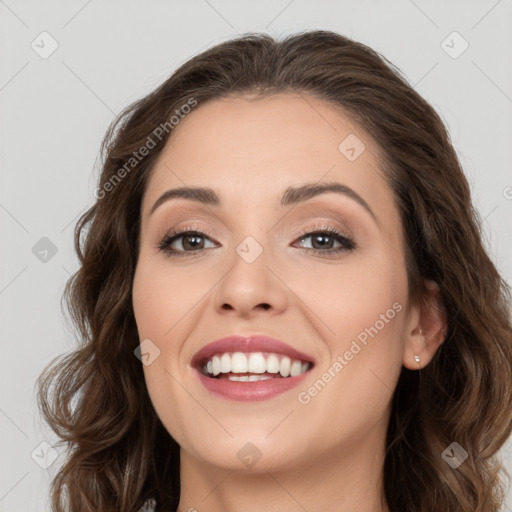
(349,478)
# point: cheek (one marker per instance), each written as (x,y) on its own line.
(162,298)
(362,311)
(348,300)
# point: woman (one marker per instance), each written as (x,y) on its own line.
(284,238)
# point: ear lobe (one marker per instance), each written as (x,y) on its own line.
(428,331)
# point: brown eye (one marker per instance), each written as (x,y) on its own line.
(184,241)
(324,241)
(191,242)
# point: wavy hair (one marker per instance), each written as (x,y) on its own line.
(118,452)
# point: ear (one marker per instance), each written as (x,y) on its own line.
(426,329)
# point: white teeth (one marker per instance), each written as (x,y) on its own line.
(253,378)
(296,368)
(284,368)
(216,365)
(225,363)
(248,378)
(238,363)
(273,364)
(257,363)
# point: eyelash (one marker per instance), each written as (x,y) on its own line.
(348,245)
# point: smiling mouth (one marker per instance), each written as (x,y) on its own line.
(256,366)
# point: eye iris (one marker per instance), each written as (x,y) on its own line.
(197,241)
(322,239)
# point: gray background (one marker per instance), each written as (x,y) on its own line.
(55,110)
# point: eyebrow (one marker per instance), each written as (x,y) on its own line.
(291,196)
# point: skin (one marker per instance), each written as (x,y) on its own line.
(327,454)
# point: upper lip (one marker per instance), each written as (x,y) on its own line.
(247,344)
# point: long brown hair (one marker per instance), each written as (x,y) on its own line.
(95,397)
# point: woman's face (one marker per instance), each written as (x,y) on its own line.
(270,262)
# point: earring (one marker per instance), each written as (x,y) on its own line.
(420,330)
(417,358)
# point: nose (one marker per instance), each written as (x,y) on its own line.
(249,289)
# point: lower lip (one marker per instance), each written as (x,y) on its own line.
(250,391)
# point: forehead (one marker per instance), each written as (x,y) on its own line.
(255,147)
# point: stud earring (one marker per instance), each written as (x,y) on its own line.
(417,358)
